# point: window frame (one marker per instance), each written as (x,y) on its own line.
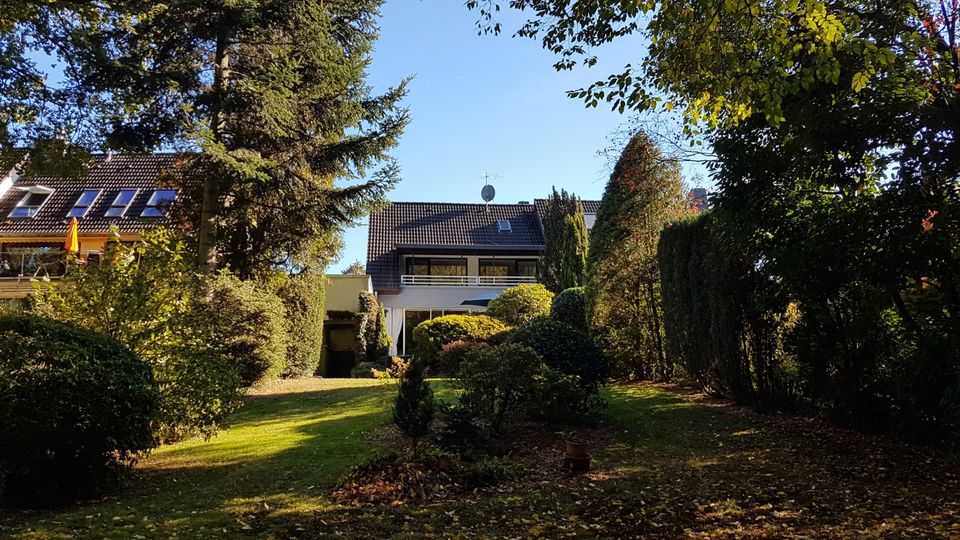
(124,208)
(86,209)
(154,205)
(22,203)
(428,262)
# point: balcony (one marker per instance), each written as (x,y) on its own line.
(28,265)
(408,280)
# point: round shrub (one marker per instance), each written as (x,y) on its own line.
(429,337)
(452,355)
(75,409)
(569,307)
(521,304)
(251,329)
(565,349)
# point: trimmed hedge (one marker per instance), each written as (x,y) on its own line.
(566,349)
(303,297)
(429,337)
(521,304)
(569,306)
(251,331)
(75,409)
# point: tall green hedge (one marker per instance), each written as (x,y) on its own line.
(304,295)
(722,321)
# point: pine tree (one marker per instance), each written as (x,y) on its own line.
(644,193)
(414,406)
(564,261)
(272,92)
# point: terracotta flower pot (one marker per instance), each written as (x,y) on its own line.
(577,449)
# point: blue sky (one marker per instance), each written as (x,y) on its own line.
(487,104)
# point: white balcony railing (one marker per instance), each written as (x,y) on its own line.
(464,281)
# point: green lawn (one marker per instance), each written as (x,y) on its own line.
(673,467)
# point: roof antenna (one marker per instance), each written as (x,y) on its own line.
(488,193)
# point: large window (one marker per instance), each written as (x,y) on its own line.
(508,267)
(420,266)
(29,205)
(84,202)
(121,202)
(159,203)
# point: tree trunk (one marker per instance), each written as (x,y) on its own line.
(657,330)
(206,235)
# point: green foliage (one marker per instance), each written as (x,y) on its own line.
(563,398)
(566,349)
(496,382)
(429,337)
(564,261)
(644,194)
(247,326)
(303,298)
(722,321)
(150,299)
(569,306)
(372,343)
(521,304)
(381,345)
(75,408)
(452,355)
(273,93)
(414,406)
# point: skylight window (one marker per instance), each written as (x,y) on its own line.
(159,203)
(504,225)
(120,204)
(29,205)
(84,202)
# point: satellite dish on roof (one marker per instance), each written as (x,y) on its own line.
(488,193)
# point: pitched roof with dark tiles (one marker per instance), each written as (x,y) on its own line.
(142,172)
(420,226)
(456,225)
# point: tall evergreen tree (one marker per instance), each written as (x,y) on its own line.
(644,193)
(564,261)
(273,94)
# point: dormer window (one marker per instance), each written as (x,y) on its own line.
(84,202)
(503,225)
(121,202)
(159,203)
(30,204)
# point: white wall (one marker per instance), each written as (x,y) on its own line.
(424,298)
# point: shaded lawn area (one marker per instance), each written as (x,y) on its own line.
(674,467)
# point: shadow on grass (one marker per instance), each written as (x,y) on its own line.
(281,452)
(674,468)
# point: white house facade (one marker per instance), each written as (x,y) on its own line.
(431,259)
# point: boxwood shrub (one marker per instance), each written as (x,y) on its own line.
(569,307)
(566,349)
(521,304)
(75,408)
(429,337)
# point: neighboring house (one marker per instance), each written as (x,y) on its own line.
(342,301)
(431,259)
(119,192)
